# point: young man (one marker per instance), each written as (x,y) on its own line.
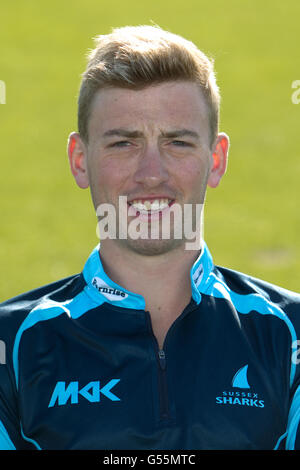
(151,346)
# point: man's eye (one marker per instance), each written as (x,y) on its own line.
(120,143)
(181,143)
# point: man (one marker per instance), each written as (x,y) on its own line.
(151,346)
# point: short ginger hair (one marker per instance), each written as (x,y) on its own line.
(135,57)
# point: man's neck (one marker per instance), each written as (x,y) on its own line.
(163,280)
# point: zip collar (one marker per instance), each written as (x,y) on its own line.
(101,288)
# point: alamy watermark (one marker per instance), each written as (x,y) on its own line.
(133,222)
(2,92)
(296,352)
(296,95)
(2,352)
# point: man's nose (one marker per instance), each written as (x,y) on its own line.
(151,171)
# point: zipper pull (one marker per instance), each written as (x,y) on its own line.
(162,359)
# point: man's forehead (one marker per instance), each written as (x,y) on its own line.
(172,91)
(181,105)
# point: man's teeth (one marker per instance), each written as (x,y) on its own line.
(155,205)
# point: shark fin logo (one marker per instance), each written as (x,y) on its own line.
(240,379)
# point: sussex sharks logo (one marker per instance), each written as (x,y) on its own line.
(242,396)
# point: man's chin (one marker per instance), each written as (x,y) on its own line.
(151,247)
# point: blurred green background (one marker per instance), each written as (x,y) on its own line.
(252,221)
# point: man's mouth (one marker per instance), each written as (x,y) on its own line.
(149,207)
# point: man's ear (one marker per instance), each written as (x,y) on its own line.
(77,153)
(220,158)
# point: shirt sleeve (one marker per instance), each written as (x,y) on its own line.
(10,424)
(293,426)
(5,441)
(8,416)
(292,441)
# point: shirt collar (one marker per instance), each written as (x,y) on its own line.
(200,272)
(103,289)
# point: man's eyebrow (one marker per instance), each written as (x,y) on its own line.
(121,132)
(180,133)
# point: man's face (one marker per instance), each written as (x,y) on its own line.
(148,145)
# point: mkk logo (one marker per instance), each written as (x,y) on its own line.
(91,392)
(240,397)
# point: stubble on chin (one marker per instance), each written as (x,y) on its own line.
(150,247)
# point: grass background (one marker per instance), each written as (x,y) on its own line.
(252,221)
